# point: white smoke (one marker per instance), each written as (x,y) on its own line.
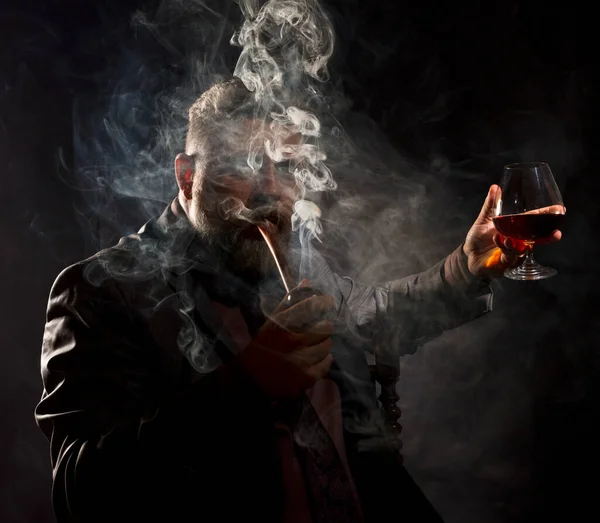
(285,43)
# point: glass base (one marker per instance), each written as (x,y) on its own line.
(530,271)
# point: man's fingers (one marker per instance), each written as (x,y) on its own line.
(321,369)
(508,261)
(309,356)
(284,304)
(285,340)
(509,246)
(323,327)
(551,209)
(554,237)
(317,332)
(487,210)
(499,240)
(514,246)
(310,310)
(510,253)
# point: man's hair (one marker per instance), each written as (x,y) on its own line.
(218,106)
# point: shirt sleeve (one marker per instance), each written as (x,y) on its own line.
(416,308)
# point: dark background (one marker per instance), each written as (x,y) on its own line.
(500,415)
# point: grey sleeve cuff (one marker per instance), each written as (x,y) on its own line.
(456,275)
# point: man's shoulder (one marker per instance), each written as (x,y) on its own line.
(142,267)
(91,274)
(132,261)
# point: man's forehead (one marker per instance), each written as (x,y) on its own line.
(246,135)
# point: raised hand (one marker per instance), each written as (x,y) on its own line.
(491,253)
(292,349)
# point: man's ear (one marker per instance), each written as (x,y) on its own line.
(184,173)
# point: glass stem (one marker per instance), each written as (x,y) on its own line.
(529,260)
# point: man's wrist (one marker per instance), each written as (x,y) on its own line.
(458,275)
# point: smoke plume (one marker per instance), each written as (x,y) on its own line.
(286,46)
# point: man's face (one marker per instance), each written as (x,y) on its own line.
(240,186)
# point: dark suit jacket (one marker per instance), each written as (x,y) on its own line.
(149,417)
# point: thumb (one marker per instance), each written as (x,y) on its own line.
(304,283)
(292,297)
(487,210)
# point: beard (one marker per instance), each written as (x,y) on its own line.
(248,255)
(239,242)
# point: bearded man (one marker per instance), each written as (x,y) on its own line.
(181,384)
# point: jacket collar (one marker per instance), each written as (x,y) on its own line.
(182,250)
